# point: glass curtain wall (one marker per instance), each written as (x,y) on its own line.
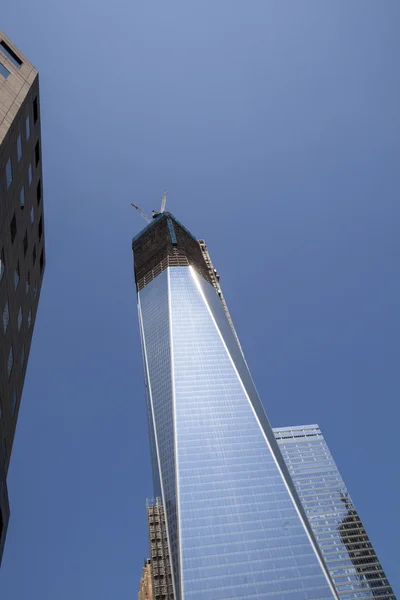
(344,543)
(236,528)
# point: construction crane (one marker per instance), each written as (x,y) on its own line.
(163,202)
(141,212)
(155,213)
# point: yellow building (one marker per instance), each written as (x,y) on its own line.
(146,589)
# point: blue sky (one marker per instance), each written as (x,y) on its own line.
(275,126)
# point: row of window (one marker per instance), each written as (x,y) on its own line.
(10,365)
(9,167)
(13,233)
(17,271)
(10,360)
(6,318)
(10,54)
(38,194)
(22,355)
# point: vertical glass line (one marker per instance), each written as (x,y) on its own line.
(171,339)
(156,438)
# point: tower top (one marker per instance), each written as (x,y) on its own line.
(164,243)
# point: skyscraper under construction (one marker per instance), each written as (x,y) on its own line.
(235,526)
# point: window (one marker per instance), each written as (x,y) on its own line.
(6,317)
(16,276)
(9,52)
(34,255)
(29,319)
(35,110)
(38,192)
(30,174)
(35,289)
(10,362)
(14,401)
(32,215)
(22,197)
(27,282)
(37,153)
(9,173)
(19,319)
(22,357)
(28,128)
(25,242)
(13,228)
(19,147)
(2,264)
(40,228)
(41,261)
(5,72)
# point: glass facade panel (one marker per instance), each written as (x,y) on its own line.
(234,527)
(344,543)
(154,320)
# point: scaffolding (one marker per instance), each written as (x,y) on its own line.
(161,574)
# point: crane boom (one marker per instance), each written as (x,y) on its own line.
(163,202)
(140,211)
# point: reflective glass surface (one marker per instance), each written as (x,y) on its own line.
(344,543)
(239,531)
(155,330)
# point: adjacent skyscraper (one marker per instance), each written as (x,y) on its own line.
(348,552)
(235,525)
(22,253)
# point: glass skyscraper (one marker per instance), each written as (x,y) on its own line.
(235,525)
(345,545)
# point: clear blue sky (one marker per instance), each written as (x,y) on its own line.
(275,126)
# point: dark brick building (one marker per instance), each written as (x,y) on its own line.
(22,252)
